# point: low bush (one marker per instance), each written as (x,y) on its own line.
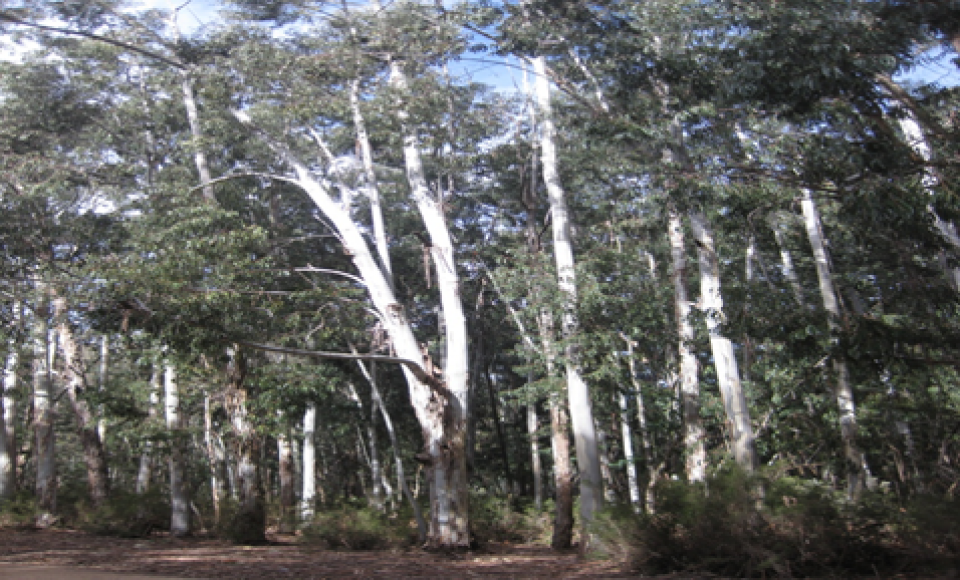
(497,519)
(802,530)
(19,511)
(357,528)
(126,514)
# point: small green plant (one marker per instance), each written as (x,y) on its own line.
(356,528)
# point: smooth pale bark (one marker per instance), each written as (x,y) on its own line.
(626,433)
(93,454)
(369,452)
(309,472)
(251,522)
(377,402)
(724,360)
(434,405)
(288,472)
(8,414)
(179,495)
(43,412)
(578,393)
(843,390)
(696,456)
(145,471)
(371,186)
(533,427)
(102,385)
(446,441)
(193,119)
(948,230)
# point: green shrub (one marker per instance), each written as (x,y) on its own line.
(803,530)
(497,519)
(20,511)
(126,514)
(356,528)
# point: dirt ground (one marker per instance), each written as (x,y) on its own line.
(282,558)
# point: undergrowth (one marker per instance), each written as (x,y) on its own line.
(802,530)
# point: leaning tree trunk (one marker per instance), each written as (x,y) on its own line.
(843,390)
(93,455)
(43,412)
(728,376)
(578,393)
(8,414)
(251,522)
(696,460)
(179,495)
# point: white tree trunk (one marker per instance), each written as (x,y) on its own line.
(179,497)
(728,376)
(786,259)
(145,471)
(578,393)
(843,390)
(43,411)
(696,456)
(308,496)
(8,414)
(652,471)
(102,385)
(532,428)
(213,458)
(627,434)
(449,497)
(371,184)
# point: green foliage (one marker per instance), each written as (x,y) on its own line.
(498,519)
(126,514)
(19,511)
(803,529)
(359,528)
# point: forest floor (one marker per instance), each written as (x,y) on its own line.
(283,557)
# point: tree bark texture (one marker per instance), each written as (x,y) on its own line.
(843,390)
(93,454)
(8,414)
(578,393)
(696,456)
(43,412)
(309,493)
(728,376)
(179,494)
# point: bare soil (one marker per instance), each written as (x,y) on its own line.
(283,557)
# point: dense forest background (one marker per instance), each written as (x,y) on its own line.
(696,277)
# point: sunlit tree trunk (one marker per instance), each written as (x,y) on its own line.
(786,259)
(696,456)
(214,458)
(179,495)
(446,441)
(309,493)
(724,359)
(43,411)
(73,382)
(649,503)
(626,433)
(8,414)
(843,390)
(533,426)
(578,393)
(102,386)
